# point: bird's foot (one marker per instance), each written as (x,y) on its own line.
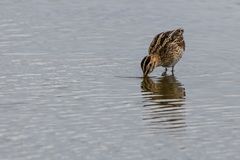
(165,72)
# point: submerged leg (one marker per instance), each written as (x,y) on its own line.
(165,72)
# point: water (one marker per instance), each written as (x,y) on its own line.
(71,85)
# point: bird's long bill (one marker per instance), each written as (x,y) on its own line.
(147,66)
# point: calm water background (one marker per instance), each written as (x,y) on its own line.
(70,86)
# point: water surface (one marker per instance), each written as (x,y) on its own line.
(71,86)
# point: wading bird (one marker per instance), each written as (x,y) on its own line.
(165,50)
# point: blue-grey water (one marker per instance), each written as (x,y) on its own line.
(71,86)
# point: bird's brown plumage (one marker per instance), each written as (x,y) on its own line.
(167,47)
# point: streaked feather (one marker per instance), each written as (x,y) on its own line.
(161,41)
(165,50)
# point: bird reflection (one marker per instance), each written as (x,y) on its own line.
(165,97)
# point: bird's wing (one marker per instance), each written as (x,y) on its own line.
(159,41)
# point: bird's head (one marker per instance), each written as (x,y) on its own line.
(148,64)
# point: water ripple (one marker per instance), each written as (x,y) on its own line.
(164,104)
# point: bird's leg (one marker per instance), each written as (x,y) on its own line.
(165,72)
(172,70)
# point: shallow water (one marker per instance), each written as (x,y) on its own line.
(71,85)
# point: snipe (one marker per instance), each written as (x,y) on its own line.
(165,50)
